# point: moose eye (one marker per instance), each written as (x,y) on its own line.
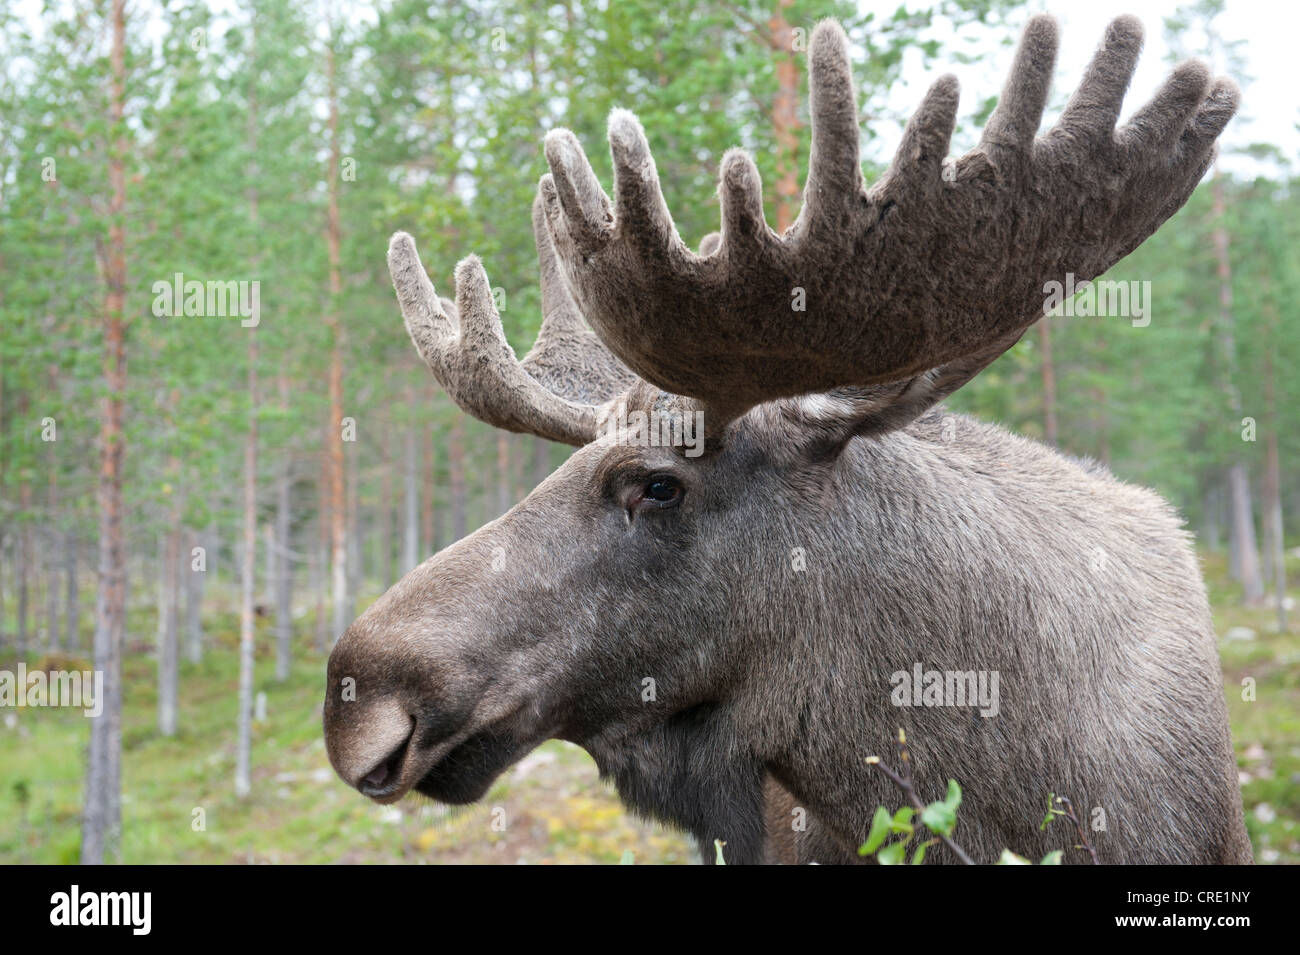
(663,490)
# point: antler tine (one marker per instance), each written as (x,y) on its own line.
(935,264)
(553,393)
(567,358)
(1010,132)
(835,180)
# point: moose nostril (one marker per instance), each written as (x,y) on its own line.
(381,779)
(368,747)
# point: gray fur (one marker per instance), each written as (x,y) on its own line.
(823,543)
(952,543)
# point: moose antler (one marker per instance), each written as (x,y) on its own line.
(925,277)
(554,392)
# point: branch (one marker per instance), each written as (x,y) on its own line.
(1078,827)
(904,782)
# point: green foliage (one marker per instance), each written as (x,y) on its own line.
(442,111)
(939,817)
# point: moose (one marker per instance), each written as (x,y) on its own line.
(723,630)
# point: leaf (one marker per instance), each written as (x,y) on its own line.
(918,857)
(1010,858)
(1051,813)
(880,826)
(1053,858)
(941,817)
(629,858)
(717,849)
(902,821)
(892,854)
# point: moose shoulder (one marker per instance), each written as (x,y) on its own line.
(730,625)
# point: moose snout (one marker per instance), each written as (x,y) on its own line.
(369,714)
(392,704)
(368,741)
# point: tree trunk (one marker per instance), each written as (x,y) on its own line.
(320,556)
(24,561)
(785,116)
(386,512)
(456,469)
(194,585)
(243,778)
(102,815)
(1241,513)
(354,537)
(1211,533)
(3,616)
(248,580)
(411,503)
(283,575)
(503,473)
(338,512)
(168,644)
(428,511)
(1273,496)
(541,460)
(159,578)
(1049,381)
(1243,534)
(54,565)
(53,562)
(72,610)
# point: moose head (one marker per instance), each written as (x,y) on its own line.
(767,517)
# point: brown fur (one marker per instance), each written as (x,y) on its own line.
(729,658)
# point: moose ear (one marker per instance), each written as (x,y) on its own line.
(823,423)
(820,425)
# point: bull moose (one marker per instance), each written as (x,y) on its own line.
(828,526)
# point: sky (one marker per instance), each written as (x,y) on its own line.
(1270,107)
(1271,94)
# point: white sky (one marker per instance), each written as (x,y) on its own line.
(1270,107)
(1270,104)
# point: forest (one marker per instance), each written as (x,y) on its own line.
(217,445)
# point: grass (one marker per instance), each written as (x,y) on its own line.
(179,804)
(1265,729)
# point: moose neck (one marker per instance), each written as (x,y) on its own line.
(921,550)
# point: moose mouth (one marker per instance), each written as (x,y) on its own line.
(459,770)
(466,773)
